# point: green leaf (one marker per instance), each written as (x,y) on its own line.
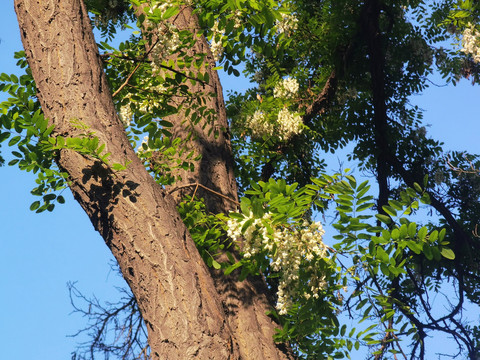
(49,197)
(414,246)
(118,167)
(417,187)
(433,236)
(389,210)
(4,136)
(422,233)
(383,218)
(245,205)
(412,230)
(385,269)
(448,253)
(35,205)
(382,255)
(396,205)
(395,234)
(427,251)
(232,268)
(14,140)
(352,181)
(441,235)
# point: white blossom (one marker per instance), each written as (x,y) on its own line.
(289,124)
(287,248)
(287,24)
(259,124)
(287,88)
(162,5)
(470,43)
(238,19)
(125,115)
(168,41)
(216,42)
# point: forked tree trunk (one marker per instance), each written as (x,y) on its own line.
(138,221)
(184,314)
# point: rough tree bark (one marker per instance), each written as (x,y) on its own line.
(136,218)
(246,302)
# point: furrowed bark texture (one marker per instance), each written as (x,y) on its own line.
(210,137)
(246,302)
(138,221)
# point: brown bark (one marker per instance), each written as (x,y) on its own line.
(215,168)
(246,302)
(137,219)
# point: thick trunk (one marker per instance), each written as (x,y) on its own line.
(138,221)
(246,302)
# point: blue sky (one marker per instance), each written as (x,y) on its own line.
(42,252)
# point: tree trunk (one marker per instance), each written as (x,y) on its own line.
(137,219)
(246,302)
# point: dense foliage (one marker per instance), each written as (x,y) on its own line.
(324,74)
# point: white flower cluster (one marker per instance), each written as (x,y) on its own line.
(126,115)
(149,104)
(216,42)
(470,43)
(168,42)
(289,249)
(286,89)
(161,5)
(289,124)
(238,17)
(287,24)
(168,39)
(259,124)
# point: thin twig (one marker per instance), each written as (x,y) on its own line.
(135,70)
(197,185)
(127,80)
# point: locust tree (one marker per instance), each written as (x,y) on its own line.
(143,138)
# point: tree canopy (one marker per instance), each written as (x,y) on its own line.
(160,162)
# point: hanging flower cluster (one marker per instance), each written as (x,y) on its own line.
(286,125)
(167,37)
(152,101)
(126,115)
(293,251)
(289,124)
(470,43)
(287,24)
(259,124)
(216,42)
(167,43)
(286,89)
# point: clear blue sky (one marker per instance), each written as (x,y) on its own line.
(42,252)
